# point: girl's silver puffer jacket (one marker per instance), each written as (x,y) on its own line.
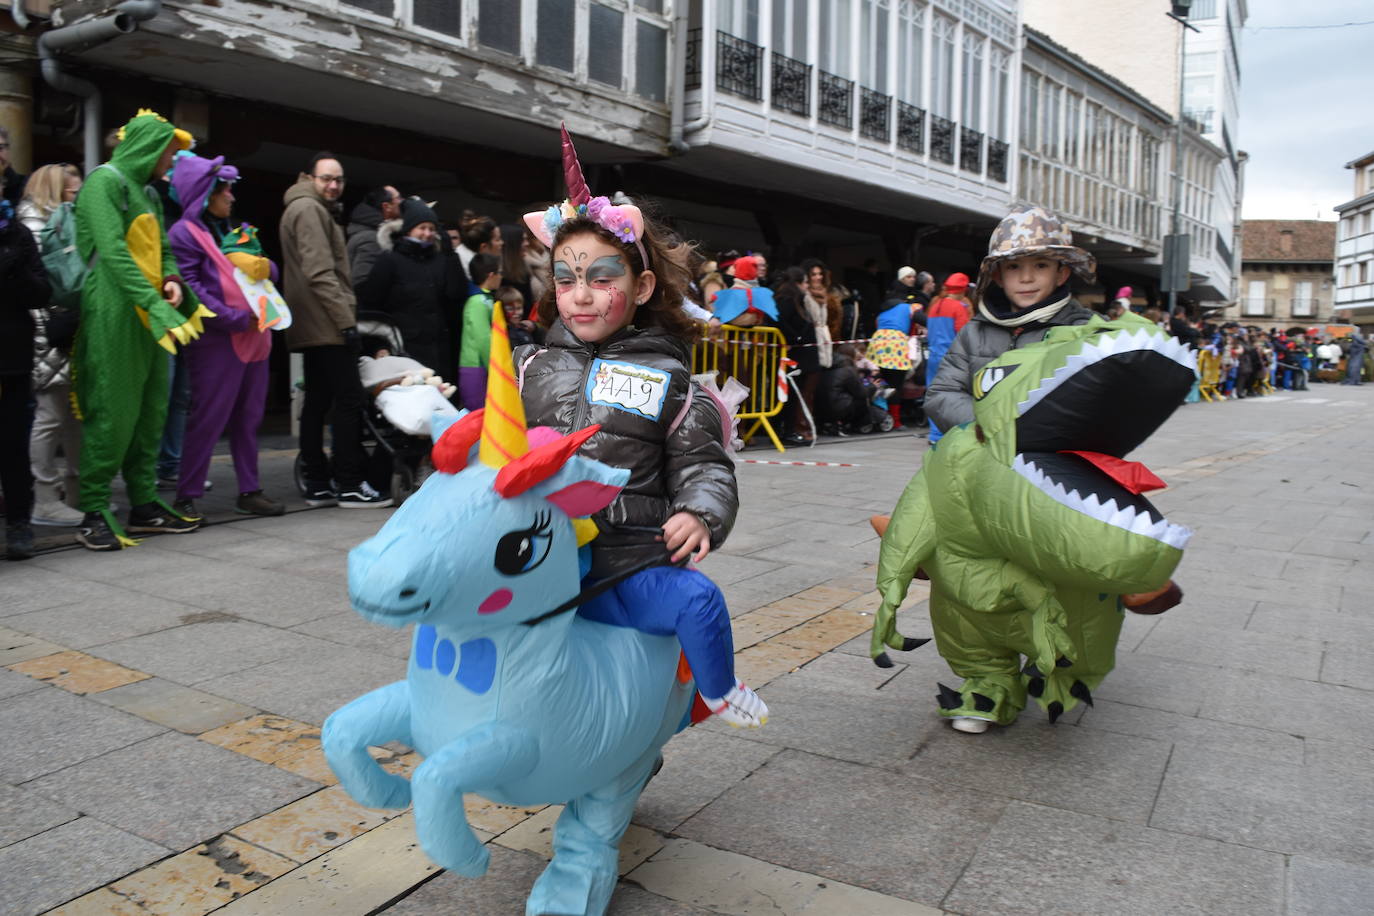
(51,366)
(635,384)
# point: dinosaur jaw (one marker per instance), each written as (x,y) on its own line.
(1096,401)
(1075,483)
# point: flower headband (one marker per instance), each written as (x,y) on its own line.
(624,221)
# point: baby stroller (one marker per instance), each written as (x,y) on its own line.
(398,460)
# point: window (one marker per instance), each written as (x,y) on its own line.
(1073,116)
(1363,268)
(1304,306)
(380,7)
(498,25)
(1366,221)
(873,31)
(999,90)
(739,17)
(972,81)
(1203,9)
(651,61)
(942,68)
(911,51)
(1254,298)
(1030,112)
(834,37)
(605,56)
(789,27)
(1049,112)
(1199,89)
(438,16)
(553,44)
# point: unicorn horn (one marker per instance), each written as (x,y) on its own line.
(503,426)
(578,194)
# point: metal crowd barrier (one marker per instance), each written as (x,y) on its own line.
(755,357)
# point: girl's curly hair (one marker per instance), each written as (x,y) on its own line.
(667,259)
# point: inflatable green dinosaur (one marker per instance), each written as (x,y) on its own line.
(1030,525)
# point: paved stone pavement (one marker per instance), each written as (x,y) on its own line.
(161,711)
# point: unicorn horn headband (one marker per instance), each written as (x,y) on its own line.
(624,221)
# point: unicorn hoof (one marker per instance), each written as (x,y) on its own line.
(472,867)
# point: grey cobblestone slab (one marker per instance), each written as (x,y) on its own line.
(32,587)
(1157,682)
(699,765)
(898,834)
(1327,624)
(1212,609)
(174,790)
(1189,731)
(1350,666)
(1311,810)
(53,867)
(116,614)
(350,629)
(12,683)
(725,568)
(310,684)
(1338,754)
(264,595)
(24,813)
(1079,769)
(1042,860)
(181,708)
(1304,708)
(217,645)
(1318,888)
(49,729)
(1177,637)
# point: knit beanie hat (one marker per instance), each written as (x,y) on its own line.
(415,212)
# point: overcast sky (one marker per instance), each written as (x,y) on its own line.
(1307,105)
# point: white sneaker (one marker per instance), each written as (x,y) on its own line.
(57,514)
(741,707)
(364,497)
(970,724)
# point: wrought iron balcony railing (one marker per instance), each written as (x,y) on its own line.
(692,78)
(738,67)
(942,139)
(997,160)
(791,85)
(875,115)
(1257,307)
(970,150)
(911,128)
(836,100)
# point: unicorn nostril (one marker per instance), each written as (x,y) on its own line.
(407,593)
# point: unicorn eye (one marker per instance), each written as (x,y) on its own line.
(521,551)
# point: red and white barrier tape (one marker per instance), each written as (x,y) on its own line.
(807,464)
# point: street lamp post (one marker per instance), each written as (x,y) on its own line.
(1176,243)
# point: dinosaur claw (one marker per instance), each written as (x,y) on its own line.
(1080,691)
(910,644)
(1036,687)
(948,699)
(1031,671)
(1062,662)
(1055,709)
(882,660)
(982,703)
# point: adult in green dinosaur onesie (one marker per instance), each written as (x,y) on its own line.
(1031,526)
(134,311)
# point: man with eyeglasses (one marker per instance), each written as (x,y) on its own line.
(324,329)
(378,206)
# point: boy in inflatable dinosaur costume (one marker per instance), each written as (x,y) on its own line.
(135,309)
(1031,526)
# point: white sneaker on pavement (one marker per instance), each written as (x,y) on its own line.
(57,514)
(741,707)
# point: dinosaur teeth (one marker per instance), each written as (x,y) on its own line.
(1127,517)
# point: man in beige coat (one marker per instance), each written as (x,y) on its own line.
(324,330)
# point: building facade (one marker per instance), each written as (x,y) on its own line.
(1286,277)
(1355,248)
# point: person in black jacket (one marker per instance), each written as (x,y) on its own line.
(415,283)
(23,286)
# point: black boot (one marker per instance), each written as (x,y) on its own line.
(18,541)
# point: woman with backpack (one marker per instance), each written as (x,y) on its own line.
(47,202)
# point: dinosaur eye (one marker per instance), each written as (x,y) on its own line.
(521,551)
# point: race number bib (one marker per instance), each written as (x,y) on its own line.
(628,387)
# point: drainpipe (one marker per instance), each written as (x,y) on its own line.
(677,143)
(19,14)
(80,37)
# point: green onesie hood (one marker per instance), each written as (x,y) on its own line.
(142,141)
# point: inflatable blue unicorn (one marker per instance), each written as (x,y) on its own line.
(509,694)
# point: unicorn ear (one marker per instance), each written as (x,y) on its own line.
(636,219)
(583,486)
(535,222)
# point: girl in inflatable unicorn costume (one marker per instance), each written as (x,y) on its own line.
(617,354)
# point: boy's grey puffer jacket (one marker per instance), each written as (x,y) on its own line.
(636,399)
(949,399)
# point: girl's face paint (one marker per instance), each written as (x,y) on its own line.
(594,288)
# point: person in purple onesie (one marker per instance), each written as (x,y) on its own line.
(228,364)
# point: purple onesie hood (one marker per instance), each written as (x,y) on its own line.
(194,177)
